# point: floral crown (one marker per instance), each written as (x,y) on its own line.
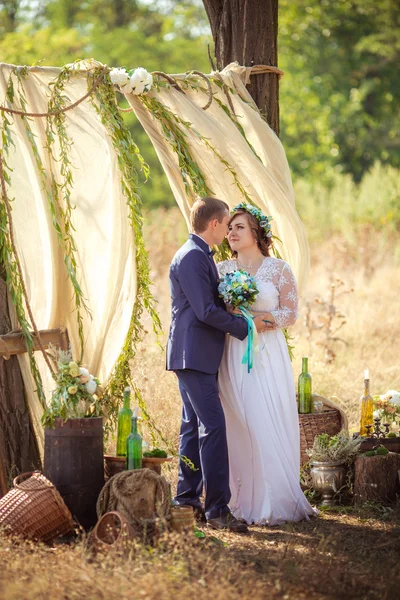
(263,221)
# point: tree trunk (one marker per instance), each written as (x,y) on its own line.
(247,31)
(10,10)
(376,478)
(18,447)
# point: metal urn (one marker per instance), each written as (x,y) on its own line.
(327,478)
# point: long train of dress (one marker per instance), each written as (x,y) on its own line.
(261,412)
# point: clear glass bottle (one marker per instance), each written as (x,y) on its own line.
(124,423)
(305,389)
(367,407)
(134,446)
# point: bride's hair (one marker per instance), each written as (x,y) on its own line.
(264,243)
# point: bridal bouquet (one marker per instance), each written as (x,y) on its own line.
(239,289)
(75,391)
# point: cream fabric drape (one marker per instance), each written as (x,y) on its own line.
(268,182)
(104,238)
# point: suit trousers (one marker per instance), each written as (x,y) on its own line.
(203,442)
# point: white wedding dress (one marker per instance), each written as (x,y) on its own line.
(260,409)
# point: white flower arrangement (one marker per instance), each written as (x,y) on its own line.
(134,81)
(392,396)
(387,406)
(73,396)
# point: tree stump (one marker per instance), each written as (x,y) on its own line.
(377,478)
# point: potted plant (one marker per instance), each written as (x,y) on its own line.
(328,458)
(73,449)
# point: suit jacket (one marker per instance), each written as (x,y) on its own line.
(199,319)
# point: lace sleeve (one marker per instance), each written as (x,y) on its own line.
(286,314)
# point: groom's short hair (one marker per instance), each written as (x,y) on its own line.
(205,210)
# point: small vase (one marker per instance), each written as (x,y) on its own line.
(327,478)
(182,518)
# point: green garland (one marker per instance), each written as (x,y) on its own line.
(175,131)
(57,130)
(127,155)
(61,209)
(195,83)
(193,179)
(8,258)
(173,128)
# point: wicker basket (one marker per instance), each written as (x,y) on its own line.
(34,509)
(329,421)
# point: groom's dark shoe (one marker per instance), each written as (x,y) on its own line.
(199,514)
(229,522)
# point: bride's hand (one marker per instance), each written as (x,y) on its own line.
(233,311)
(269,321)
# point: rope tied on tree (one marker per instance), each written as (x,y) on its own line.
(255,70)
(264,69)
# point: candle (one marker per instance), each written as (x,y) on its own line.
(366,374)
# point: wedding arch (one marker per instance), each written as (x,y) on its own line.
(71,227)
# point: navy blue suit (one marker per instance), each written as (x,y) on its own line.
(194,351)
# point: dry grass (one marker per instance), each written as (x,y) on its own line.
(347,553)
(340,555)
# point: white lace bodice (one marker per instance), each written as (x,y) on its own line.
(277,289)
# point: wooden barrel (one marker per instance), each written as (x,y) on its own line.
(73,461)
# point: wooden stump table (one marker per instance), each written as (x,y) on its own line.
(377,478)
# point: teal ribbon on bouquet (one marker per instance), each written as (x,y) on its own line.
(252,339)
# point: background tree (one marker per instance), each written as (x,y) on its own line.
(341,95)
(246,31)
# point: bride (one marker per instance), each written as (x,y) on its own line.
(260,406)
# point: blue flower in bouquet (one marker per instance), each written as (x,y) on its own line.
(238,288)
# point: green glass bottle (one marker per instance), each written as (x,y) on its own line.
(305,389)
(124,423)
(134,446)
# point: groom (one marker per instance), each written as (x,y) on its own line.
(194,352)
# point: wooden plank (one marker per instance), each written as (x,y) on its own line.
(14,343)
(392,444)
